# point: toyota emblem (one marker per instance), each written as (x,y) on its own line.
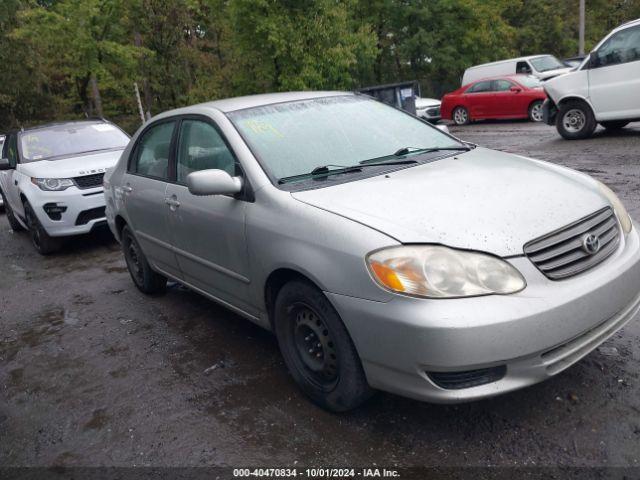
(591,244)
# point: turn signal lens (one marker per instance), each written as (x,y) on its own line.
(433,271)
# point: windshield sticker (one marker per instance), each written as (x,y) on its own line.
(262,127)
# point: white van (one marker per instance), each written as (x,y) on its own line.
(541,66)
(605,88)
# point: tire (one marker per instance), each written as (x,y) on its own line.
(44,244)
(317,348)
(615,124)
(535,111)
(16,226)
(460,116)
(575,120)
(143,276)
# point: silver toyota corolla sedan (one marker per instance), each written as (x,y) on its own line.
(383,253)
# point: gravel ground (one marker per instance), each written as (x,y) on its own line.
(94,373)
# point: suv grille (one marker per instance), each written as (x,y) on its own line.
(577,247)
(89,181)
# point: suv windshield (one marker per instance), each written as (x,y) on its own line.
(546,63)
(59,141)
(294,138)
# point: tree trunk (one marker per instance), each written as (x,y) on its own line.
(95,92)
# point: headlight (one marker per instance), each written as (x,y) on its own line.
(433,271)
(52,184)
(618,207)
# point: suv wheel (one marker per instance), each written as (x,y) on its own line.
(615,124)
(575,120)
(317,348)
(535,111)
(460,116)
(44,243)
(13,221)
(143,276)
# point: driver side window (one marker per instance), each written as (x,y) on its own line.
(523,67)
(12,150)
(623,47)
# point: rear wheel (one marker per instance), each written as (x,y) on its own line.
(535,111)
(143,276)
(575,120)
(44,243)
(615,124)
(317,348)
(13,221)
(460,116)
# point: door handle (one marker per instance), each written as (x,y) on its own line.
(127,189)
(172,202)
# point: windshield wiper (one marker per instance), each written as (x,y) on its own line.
(410,150)
(325,171)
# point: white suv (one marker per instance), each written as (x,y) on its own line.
(605,89)
(51,178)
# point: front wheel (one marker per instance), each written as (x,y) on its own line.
(44,243)
(535,111)
(460,116)
(143,276)
(575,120)
(317,348)
(614,124)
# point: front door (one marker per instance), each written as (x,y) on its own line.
(144,192)
(506,102)
(208,232)
(614,76)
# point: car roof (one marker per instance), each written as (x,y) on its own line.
(515,77)
(517,59)
(251,101)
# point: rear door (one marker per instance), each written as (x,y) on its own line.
(144,191)
(208,232)
(614,76)
(9,178)
(479,99)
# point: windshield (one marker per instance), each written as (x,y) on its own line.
(546,63)
(529,81)
(294,138)
(70,139)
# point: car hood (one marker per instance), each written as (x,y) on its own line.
(480,200)
(72,166)
(554,73)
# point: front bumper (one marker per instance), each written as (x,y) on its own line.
(549,112)
(535,334)
(84,210)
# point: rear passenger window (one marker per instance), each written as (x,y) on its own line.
(480,87)
(200,147)
(152,152)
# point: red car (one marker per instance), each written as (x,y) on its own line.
(508,97)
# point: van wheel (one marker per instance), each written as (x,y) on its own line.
(575,120)
(143,276)
(535,111)
(615,124)
(460,116)
(44,243)
(13,221)
(317,348)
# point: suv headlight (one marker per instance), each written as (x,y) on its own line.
(52,184)
(433,271)
(618,207)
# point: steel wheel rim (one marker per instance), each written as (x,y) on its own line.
(314,347)
(460,116)
(536,112)
(574,120)
(132,256)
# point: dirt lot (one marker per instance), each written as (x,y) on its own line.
(94,373)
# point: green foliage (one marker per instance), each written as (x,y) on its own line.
(181,52)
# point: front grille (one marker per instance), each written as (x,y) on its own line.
(86,216)
(563,253)
(89,181)
(433,112)
(467,379)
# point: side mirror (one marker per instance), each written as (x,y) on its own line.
(4,164)
(443,128)
(515,89)
(213,182)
